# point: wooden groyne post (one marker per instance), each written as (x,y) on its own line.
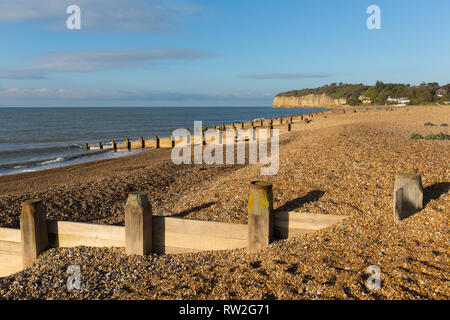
(187,137)
(86,146)
(203,137)
(138,224)
(114,145)
(33,229)
(142,142)
(260,215)
(128,143)
(408,195)
(157,144)
(172,141)
(100,146)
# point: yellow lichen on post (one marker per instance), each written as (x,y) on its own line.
(260,215)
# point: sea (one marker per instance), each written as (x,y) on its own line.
(33,139)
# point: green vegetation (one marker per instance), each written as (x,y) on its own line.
(425,93)
(439,136)
(444,125)
(429,124)
(416,136)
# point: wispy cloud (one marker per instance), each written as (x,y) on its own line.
(20,73)
(89,61)
(103,15)
(63,94)
(288,76)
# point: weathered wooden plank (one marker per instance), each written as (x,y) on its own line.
(11,260)
(305,220)
(211,228)
(173,250)
(69,234)
(99,231)
(137,144)
(10,234)
(172,235)
(292,224)
(196,241)
(7,271)
(165,143)
(10,251)
(288,233)
(68,241)
(10,247)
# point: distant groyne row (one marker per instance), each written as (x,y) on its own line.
(284,124)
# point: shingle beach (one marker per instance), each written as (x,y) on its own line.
(339,163)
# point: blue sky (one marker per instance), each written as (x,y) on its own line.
(212,53)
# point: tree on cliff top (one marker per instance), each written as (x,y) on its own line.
(425,93)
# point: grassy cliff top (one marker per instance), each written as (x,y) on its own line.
(379,93)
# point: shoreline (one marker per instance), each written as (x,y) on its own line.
(114,162)
(340,164)
(37,161)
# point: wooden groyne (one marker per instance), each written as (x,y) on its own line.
(144,233)
(284,124)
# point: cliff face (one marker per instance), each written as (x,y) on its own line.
(310,100)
